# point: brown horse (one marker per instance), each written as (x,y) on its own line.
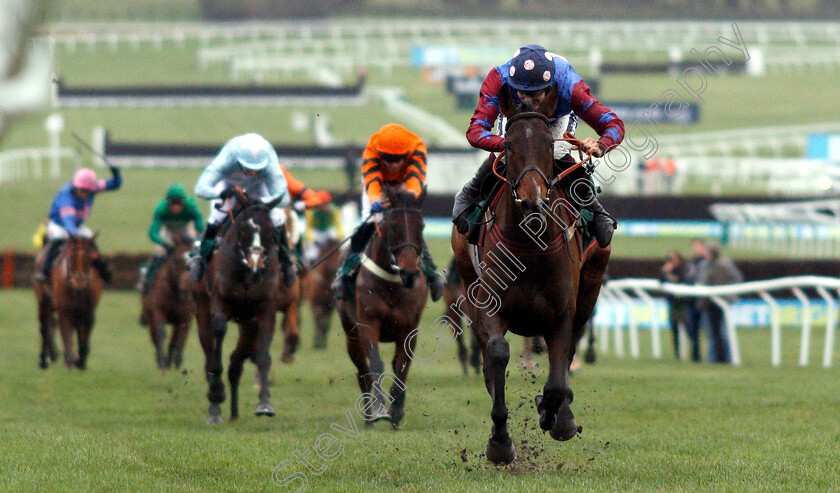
(169,301)
(535,280)
(288,303)
(319,291)
(240,284)
(73,291)
(390,296)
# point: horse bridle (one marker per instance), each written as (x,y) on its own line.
(393,250)
(258,251)
(530,167)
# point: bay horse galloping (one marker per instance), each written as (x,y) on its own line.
(319,292)
(240,284)
(169,301)
(539,282)
(73,291)
(288,299)
(390,294)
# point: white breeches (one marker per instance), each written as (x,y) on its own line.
(56,231)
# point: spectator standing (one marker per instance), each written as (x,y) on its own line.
(721,270)
(675,270)
(694,314)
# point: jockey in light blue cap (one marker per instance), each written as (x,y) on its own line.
(248,162)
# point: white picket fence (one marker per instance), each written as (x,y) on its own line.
(630,292)
(346,44)
(36,163)
(799,229)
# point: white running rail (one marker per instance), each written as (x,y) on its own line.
(629,291)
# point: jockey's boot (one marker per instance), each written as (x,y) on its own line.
(346,275)
(468,198)
(603,224)
(103,269)
(205,251)
(101,265)
(287,262)
(151,270)
(53,247)
(434,279)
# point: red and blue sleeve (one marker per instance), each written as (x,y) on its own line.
(609,127)
(480,132)
(67,212)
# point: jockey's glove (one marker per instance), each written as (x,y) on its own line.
(377,207)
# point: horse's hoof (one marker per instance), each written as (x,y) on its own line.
(265,409)
(44,363)
(499,453)
(546,418)
(214,420)
(590,356)
(288,358)
(234,417)
(565,427)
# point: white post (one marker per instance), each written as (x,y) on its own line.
(633,326)
(618,333)
(54,125)
(603,333)
(656,343)
(775,329)
(830,325)
(805,343)
(734,347)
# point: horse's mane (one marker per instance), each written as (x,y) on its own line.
(525,106)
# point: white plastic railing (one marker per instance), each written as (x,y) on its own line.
(619,291)
(22,164)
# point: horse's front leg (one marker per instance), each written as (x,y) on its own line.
(176,344)
(45,317)
(157,331)
(369,329)
(84,329)
(401,364)
(213,364)
(65,328)
(262,357)
(290,332)
(554,406)
(500,448)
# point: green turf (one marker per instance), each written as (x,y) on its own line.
(648,425)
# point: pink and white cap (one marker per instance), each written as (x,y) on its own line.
(85,179)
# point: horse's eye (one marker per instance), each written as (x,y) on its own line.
(508,147)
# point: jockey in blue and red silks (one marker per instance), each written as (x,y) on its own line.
(69,210)
(529,76)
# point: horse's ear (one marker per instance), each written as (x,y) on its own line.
(241,198)
(549,103)
(506,104)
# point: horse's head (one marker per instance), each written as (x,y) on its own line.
(254,233)
(179,265)
(529,149)
(402,232)
(79,254)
